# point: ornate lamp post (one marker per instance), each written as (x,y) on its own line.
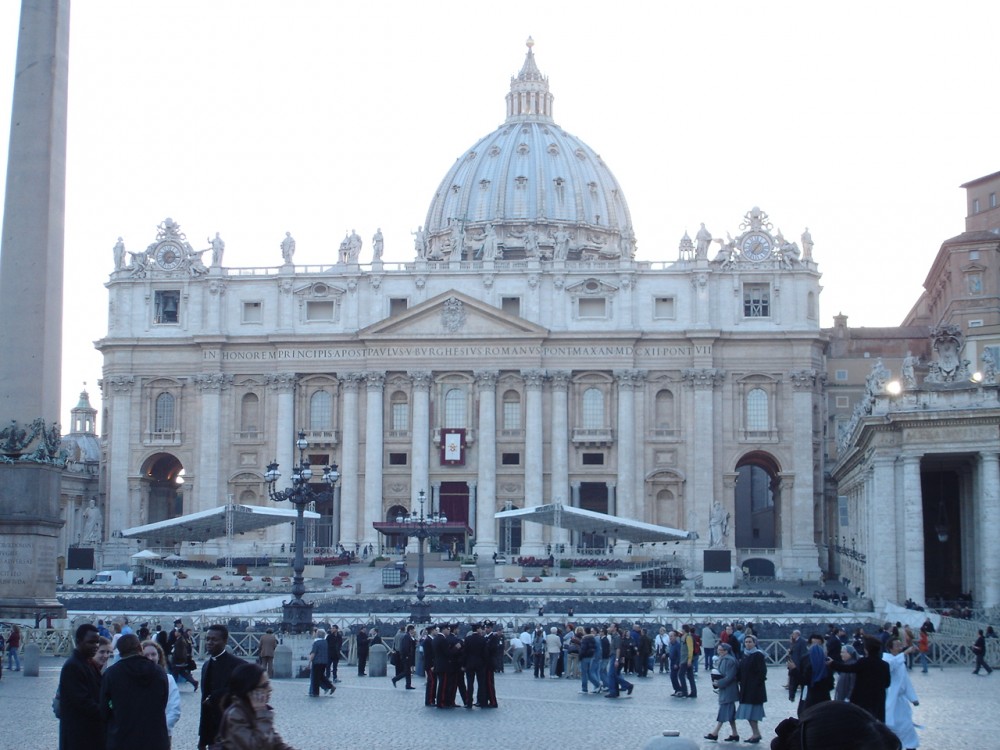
(298,613)
(421,527)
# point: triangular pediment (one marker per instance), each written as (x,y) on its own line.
(453,315)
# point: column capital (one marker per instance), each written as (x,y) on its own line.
(351,382)
(117,383)
(560,379)
(486,380)
(421,380)
(630,379)
(375,380)
(703,377)
(213,381)
(282,381)
(533,379)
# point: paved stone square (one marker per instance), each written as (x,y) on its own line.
(955,706)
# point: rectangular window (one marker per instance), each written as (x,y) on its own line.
(253,312)
(400,416)
(512,415)
(319,310)
(397,459)
(663,308)
(510,459)
(592,459)
(397,305)
(592,307)
(975,324)
(843,402)
(975,205)
(511,305)
(168,305)
(993,200)
(840,375)
(756,301)
(842,509)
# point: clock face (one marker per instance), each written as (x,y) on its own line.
(756,246)
(168,255)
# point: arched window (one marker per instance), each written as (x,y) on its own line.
(756,502)
(757,416)
(250,413)
(400,411)
(248,497)
(593,409)
(321,411)
(664,410)
(454,408)
(511,410)
(163,420)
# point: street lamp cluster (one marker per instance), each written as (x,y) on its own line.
(298,613)
(421,527)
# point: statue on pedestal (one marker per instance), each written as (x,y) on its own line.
(93,525)
(718,526)
(288,248)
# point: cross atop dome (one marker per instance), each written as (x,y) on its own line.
(529,97)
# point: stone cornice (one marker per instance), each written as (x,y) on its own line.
(281,381)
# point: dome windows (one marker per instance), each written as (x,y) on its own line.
(523,149)
(553,149)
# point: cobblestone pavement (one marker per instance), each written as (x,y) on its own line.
(955,707)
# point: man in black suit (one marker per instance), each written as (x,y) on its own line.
(334,644)
(429,646)
(81,726)
(474,662)
(215,674)
(362,643)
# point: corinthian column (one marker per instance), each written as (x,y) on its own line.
(420,446)
(118,396)
(989,528)
(531,540)
(349,472)
(486,501)
(628,381)
(208,493)
(702,468)
(913,529)
(559,448)
(373,456)
(282,384)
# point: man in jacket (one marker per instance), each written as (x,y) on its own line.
(215,674)
(362,644)
(334,644)
(406,654)
(475,665)
(81,726)
(268,643)
(133,700)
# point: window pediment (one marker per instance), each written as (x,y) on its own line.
(592,288)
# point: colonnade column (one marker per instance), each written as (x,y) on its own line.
(208,492)
(882,562)
(989,528)
(374,417)
(559,489)
(283,385)
(913,529)
(486,499)
(118,394)
(349,471)
(531,533)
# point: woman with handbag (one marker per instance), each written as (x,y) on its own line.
(248,721)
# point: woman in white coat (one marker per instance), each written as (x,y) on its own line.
(152,651)
(900,695)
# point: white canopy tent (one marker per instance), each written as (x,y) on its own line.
(592,522)
(212,524)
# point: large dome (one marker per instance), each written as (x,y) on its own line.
(530,180)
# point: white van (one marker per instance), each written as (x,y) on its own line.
(112,578)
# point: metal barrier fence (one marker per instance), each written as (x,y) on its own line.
(945,650)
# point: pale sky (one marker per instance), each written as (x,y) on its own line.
(256,117)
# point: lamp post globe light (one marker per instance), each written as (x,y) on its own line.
(298,612)
(421,527)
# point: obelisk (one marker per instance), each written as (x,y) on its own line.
(31,290)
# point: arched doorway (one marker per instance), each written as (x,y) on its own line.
(395,542)
(757,501)
(163,477)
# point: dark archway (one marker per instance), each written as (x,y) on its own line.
(163,475)
(757,501)
(941,490)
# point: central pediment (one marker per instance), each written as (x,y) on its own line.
(453,315)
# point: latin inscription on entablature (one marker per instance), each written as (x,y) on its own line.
(639,354)
(942,437)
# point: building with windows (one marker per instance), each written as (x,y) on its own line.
(913,507)
(525,355)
